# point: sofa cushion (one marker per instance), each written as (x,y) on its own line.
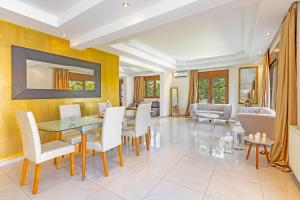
(267,111)
(202,106)
(216,107)
(217,113)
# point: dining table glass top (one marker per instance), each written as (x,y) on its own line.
(70,123)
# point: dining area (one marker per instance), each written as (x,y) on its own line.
(75,135)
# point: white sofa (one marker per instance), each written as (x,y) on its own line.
(223,110)
(257,119)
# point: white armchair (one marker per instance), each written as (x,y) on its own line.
(257,119)
(36,152)
(110,136)
(141,127)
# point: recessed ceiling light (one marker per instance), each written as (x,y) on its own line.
(64,34)
(269,33)
(125,4)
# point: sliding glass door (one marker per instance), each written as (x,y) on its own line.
(213,87)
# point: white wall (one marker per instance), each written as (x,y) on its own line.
(39,77)
(183,88)
(165,85)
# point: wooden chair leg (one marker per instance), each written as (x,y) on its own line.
(140,139)
(257,156)
(125,139)
(147,141)
(57,162)
(24,172)
(249,150)
(132,141)
(104,164)
(137,146)
(128,139)
(266,153)
(36,178)
(72,164)
(94,152)
(149,133)
(120,155)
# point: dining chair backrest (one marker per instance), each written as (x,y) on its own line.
(142,119)
(68,111)
(30,136)
(102,107)
(112,127)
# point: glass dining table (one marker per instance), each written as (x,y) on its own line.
(82,124)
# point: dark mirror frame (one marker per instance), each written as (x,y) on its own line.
(19,75)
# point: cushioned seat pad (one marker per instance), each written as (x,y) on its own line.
(55,149)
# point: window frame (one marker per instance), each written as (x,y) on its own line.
(210,75)
(151,78)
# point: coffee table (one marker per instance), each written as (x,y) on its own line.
(266,143)
(210,116)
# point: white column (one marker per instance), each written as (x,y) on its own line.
(128,91)
(165,85)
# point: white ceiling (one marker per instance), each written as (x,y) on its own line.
(158,35)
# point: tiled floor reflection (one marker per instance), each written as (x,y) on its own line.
(186,161)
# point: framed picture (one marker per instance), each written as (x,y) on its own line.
(248,85)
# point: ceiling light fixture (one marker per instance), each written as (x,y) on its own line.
(269,33)
(64,34)
(125,4)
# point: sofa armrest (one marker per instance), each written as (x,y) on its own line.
(227,111)
(193,109)
(253,123)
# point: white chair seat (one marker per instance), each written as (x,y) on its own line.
(74,137)
(94,143)
(129,130)
(55,149)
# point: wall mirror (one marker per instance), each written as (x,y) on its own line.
(248,85)
(38,75)
(174,102)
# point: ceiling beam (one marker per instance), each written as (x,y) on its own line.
(28,11)
(138,53)
(76,10)
(137,63)
(116,29)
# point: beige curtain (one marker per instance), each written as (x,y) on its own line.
(286,100)
(265,85)
(193,90)
(138,93)
(61,78)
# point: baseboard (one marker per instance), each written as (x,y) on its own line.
(10,161)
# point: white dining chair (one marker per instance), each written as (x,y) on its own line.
(102,107)
(111,135)
(36,152)
(141,126)
(71,136)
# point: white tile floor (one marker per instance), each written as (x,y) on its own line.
(185,162)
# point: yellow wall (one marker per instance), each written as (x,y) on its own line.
(45,109)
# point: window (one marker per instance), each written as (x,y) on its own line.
(81,82)
(213,87)
(151,87)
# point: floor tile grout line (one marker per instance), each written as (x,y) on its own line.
(19,187)
(260,183)
(210,179)
(163,177)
